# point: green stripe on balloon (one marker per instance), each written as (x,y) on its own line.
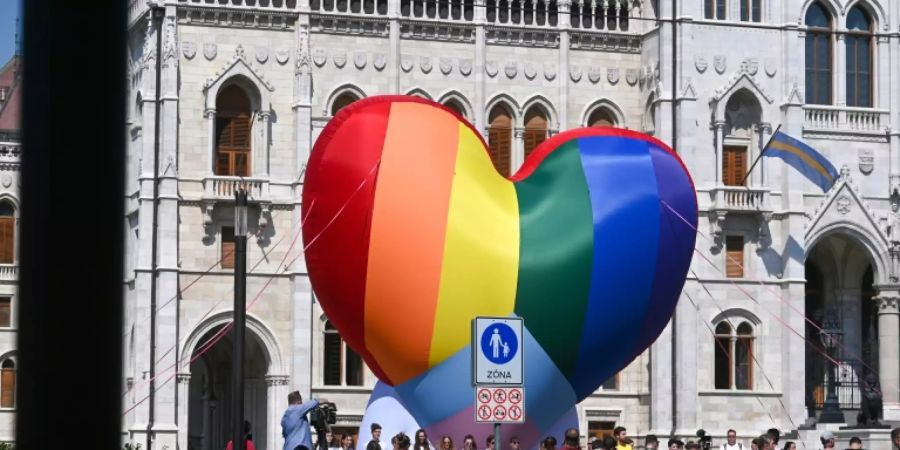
(556,254)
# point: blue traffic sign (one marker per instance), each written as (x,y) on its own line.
(499,343)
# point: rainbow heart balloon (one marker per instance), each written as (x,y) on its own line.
(411,233)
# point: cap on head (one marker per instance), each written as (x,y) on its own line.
(826,436)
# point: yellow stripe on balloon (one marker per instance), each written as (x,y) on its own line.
(481,249)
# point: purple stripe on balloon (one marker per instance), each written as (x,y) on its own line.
(676,243)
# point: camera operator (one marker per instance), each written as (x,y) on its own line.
(295,425)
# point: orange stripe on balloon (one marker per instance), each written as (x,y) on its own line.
(409,222)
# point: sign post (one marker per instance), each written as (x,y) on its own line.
(498,371)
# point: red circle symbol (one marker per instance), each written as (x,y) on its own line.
(484,412)
(515,396)
(500,396)
(499,412)
(515,413)
(484,395)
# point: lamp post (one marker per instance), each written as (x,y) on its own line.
(240,317)
(831,337)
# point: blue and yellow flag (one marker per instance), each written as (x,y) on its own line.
(803,158)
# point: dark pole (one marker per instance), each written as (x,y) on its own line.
(71,231)
(761,153)
(240,317)
(675,148)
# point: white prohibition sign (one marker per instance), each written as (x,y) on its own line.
(484,412)
(515,413)
(500,413)
(515,396)
(484,395)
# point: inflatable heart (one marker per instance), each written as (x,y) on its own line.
(411,233)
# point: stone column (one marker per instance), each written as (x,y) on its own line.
(839,90)
(518,150)
(563,24)
(661,383)
(719,127)
(479,114)
(394,71)
(889,354)
(184,384)
(276,401)
(686,364)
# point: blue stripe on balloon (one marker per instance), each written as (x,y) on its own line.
(676,245)
(443,390)
(625,202)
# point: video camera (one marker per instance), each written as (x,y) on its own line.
(705,440)
(321,418)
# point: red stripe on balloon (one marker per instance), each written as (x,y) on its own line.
(337,264)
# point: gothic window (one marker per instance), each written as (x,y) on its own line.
(535,128)
(750,10)
(734,256)
(601,117)
(342,101)
(341,366)
(8,383)
(7,233)
(600,15)
(456,107)
(233,139)
(733,363)
(611,384)
(859,58)
(818,55)
(5,312)
(714,9)
(734,165)
(500,138)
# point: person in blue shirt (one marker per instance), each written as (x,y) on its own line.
(294,423)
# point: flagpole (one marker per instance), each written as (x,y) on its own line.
(765,147)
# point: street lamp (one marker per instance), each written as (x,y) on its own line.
(240,317)
(831,336)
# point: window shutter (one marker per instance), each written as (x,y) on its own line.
(5,312)
(734,165)
(734,256)
(7,388)
(500,141)
(533,138)
(227,247)
(7,239)
(233,145)
(331,363)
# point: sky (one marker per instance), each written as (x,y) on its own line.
(9,10)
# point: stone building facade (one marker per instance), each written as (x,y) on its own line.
(237,93)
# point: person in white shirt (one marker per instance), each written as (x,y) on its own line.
(732,443)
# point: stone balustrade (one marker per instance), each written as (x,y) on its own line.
(845,119)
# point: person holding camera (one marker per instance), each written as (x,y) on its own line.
(295,425)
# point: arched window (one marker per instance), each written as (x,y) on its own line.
(7,233)
(342,101)
(750,10)
(734,356)
(233,138)
(601,117)
(714,9)
(8,383)
(859,58)
(535,128)
(341,366)
(456,107)
(500,138)
(818,55)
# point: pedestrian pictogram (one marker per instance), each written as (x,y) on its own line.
(497,349)
(485,413)
(484,396)
(500,405)
(515,413)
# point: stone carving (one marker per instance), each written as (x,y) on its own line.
(446,65)
(262,55)
(549,71)
(771,67)
(843,204)
(530,71)
(148,56)
(700,63)
(491,68)
(612,75)
(379,61)
(339,59)
(631,76)
(465,67)
(887,304)
(425,64)
(7,180)
(511,68)
(594,74)
(750,65)
(870,409)
(575,73)
(360,59)
(656,71)
(210,50)
(319,57)
(282,55)
(170,45)
(406,63)
(239,51)
(866,161)
(720,63)
(189,49)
